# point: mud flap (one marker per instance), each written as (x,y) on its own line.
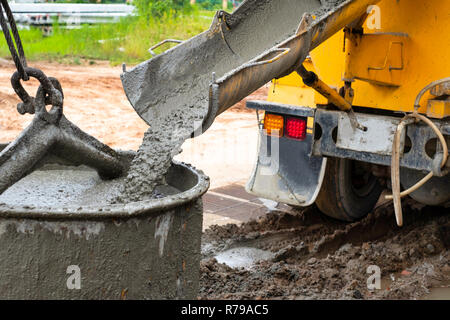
(285,171)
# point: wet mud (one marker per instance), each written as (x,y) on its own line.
(310,256)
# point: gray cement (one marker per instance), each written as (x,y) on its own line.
(125,243)
(152,257)
(170,91)
(160,144)
(327,6)
(139,250)
(65,185)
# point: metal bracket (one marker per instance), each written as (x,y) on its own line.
(284,51)
(414,158)
(383,67)
(161,43)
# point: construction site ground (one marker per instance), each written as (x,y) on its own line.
(254,248)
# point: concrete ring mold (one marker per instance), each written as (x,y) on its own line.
(148,249)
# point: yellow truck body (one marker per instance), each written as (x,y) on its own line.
(395,58)
(378,64)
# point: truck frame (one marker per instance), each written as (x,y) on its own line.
(310,151)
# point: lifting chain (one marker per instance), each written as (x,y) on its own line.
(50,94)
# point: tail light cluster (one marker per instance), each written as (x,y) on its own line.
(289,126)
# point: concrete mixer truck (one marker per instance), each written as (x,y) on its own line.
(358,103)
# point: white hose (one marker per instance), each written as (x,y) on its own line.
(395,160)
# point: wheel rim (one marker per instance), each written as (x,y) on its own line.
(362,181)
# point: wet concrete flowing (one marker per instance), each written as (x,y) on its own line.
(175,110)
(161,143)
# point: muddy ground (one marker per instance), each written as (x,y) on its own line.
(306,255)
(310,256)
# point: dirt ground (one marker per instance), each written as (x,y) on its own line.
(95,101)
(309,256)
(285,254)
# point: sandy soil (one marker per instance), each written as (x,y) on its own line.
(95,101)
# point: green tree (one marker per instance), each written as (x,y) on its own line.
(158,8)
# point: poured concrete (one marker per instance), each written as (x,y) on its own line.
(147,249)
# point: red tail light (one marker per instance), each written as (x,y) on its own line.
(295,128)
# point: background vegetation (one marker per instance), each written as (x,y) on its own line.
(126,41)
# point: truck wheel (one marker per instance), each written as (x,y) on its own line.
(349,190)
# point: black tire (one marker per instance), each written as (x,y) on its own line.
(349,191)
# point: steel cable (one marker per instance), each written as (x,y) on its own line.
(18,54)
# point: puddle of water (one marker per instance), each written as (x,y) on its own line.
(269,204)
(243,257)
(438,294)
(206,248)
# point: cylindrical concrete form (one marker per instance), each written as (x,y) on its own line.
(142,250)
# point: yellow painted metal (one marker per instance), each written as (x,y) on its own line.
(331,95)
(378,58)
(438,108)
(309,125)
(423,56)
(292,90)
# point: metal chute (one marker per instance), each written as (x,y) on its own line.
(239,53)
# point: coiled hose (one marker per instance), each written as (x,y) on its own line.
(395,160)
